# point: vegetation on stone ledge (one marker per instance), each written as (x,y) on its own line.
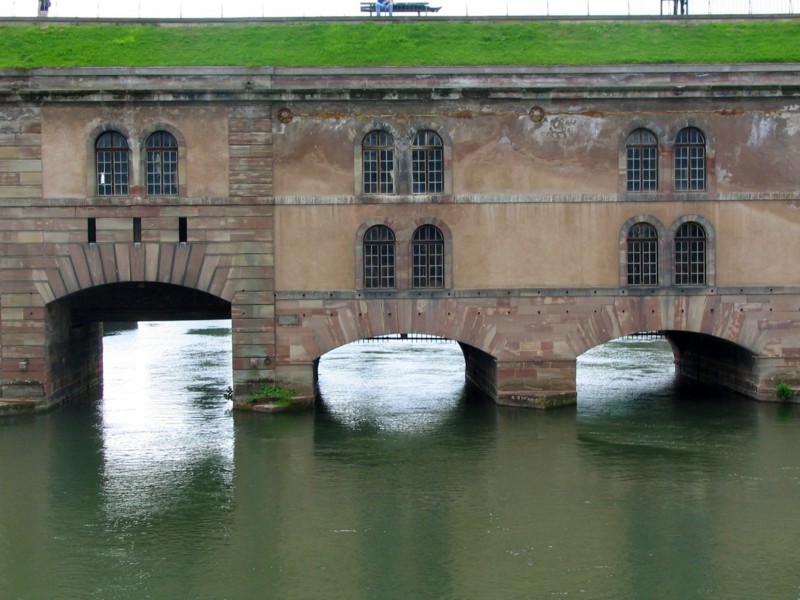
(272,394)
(400,42)
(784,392)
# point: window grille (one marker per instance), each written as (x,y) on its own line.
(379,257)
(690,255)
(642,255)
(111,151)
(377,152)
(428,257)
(690,160)
(642,161)
(427,162)
(162,164)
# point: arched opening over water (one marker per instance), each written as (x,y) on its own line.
(400,382)
(663,364)
(74,339)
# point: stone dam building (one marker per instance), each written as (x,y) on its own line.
(529,213)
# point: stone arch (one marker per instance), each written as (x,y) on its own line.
(323,325)
(695,122)
(79,267)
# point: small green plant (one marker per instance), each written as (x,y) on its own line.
(272,394)
(784,392)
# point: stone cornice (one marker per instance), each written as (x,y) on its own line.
(353,84)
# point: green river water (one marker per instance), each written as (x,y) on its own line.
(401,483)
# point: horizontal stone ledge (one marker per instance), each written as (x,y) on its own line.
(792,196)
(599,292)
(13,201)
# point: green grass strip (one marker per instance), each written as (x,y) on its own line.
(400,42)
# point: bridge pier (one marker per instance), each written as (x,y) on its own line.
(530,384)
(74,354)
(536,384)
(715,361)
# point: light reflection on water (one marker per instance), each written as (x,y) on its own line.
(402,483)
(364,385)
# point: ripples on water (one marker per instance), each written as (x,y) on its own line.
(402,483)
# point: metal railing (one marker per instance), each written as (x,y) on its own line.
(406,337)
(213,9)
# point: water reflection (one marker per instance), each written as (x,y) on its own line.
(404,486)
(155,444)
(364,386)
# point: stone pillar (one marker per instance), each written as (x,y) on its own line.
(715,361)
(532,384)
(253,275)
(74,355)
(536,384)
(769,372)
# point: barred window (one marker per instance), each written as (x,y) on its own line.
(690,160)
(428,257)
(162,164)
(377,151)
(642,161)
(427,162)
(690,255)
(642,255)
(379,257)
(111,154)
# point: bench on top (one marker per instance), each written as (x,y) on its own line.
(404,7)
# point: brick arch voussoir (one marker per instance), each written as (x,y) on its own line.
(78,267)
(339,324)
(702,314)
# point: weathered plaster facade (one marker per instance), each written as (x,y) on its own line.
(534,211)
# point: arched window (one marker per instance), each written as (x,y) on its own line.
(428,257)
(377,151)
(690,160)
(642,161)
(379,257)
(162,164)
(642,255)
(690,254)
(111,154)
(427,163)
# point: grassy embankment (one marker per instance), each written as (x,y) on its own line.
(401,42)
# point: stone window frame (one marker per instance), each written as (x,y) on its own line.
(92,170)
(389,242)
(421,166)
(404,248)
(689,145)
(663,255)
(179,139)
(639,179)
(644,246)
(662,164)
(710,152)
(710,249)
(358,157)
(666,250)
(135,167)
(403,167)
